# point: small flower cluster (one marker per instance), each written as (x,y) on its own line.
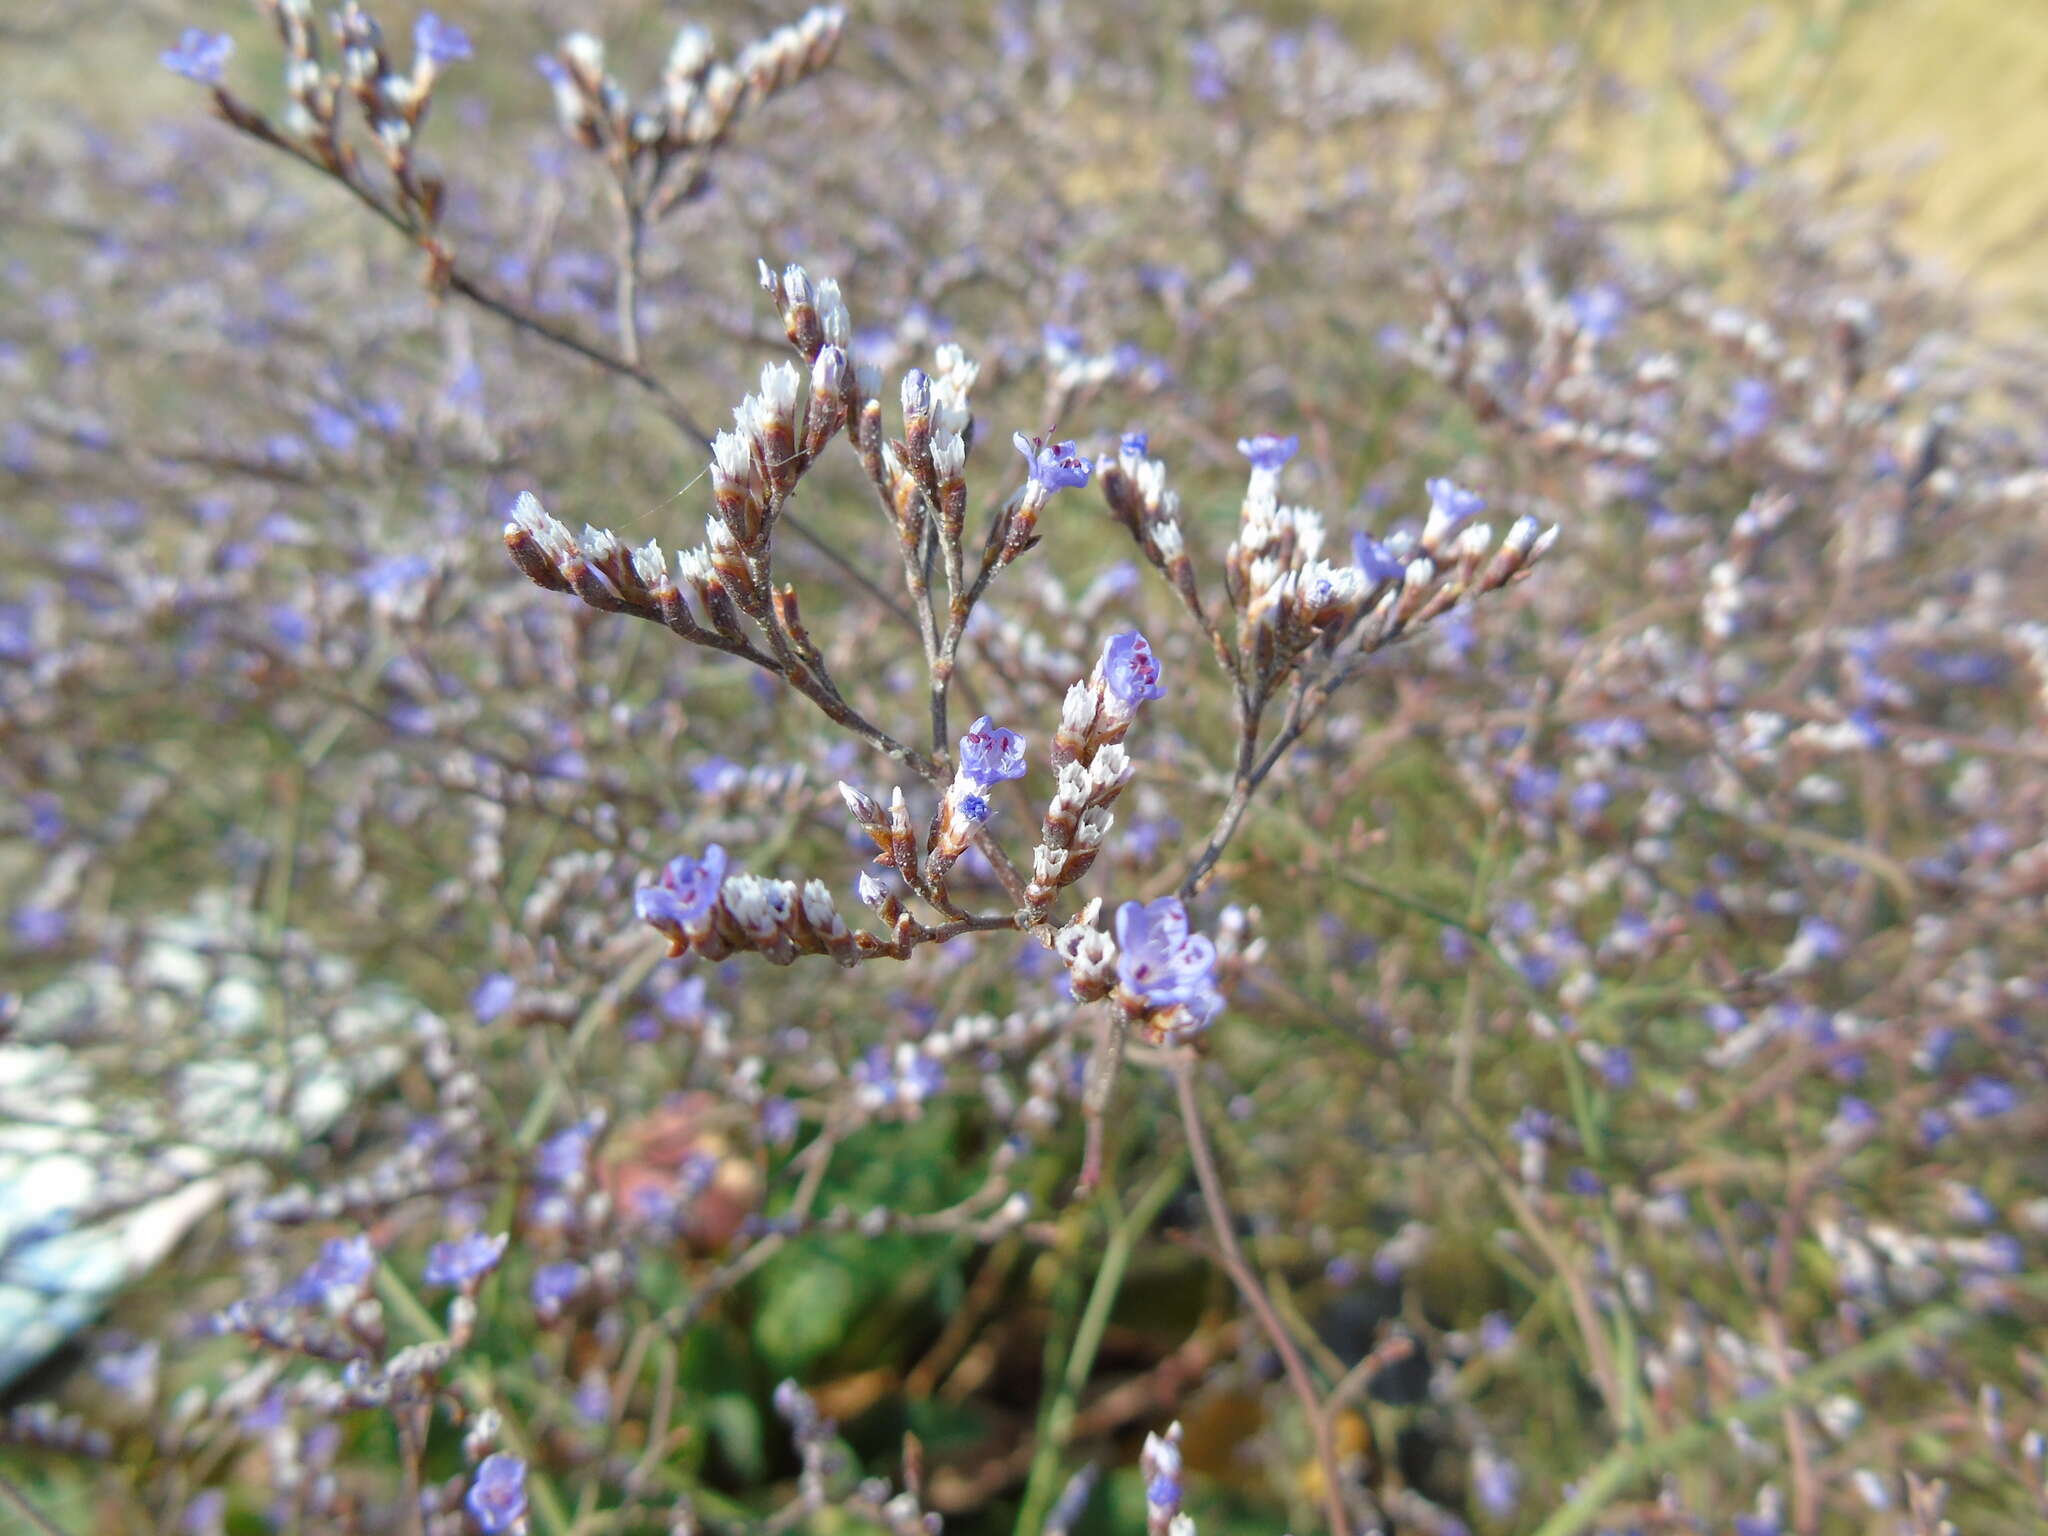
(702,910)
(1157,971)
(392,104)
(699,99)
(1093,767)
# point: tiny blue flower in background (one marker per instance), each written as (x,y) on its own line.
(1496,1482)
(206,1514)
(555,1286)
(594,1398)
(1207,78)
(990,755)
(1496,1332)
(200,56)
(564,1155)
(1590,798)
(718,776)
(684,1002)
(1750,412)
(687,891)
(1820,938)
(391,576)
(465,1260)
(1599,311)
(1054,466)
(1267,452)
(335,429)
(497,1497)
(438,41)
(1062,340)
(493,995)
(1855,1114)
(343,1269)
(41,927)
(1130,675)
(1986,1098)
(1450,503)
(779,1122)
(1133,445)
(132,1372)
(1724,1018)
(1618,1067)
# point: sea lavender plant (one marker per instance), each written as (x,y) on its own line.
(1598,1041)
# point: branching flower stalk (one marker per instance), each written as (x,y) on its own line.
(1647,955)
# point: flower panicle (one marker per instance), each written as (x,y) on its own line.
(699,97)
(1135,488)
(1162,976)
(704,910)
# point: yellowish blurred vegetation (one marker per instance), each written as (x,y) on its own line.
(1943,104)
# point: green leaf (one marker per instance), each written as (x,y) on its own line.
(805,1314)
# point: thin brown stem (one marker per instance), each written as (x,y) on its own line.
(450,276)
(632,236)
(1247,1281)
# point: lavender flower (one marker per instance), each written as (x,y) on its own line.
(1054,466)
(1375,561)
(343,1269)
(1449,505)
(1496,1482)
(687,891)
(464,1261)
(493,995)
(554,1287)
(1751,410)
(439,42)
(1986,1098)
(1164,964)
(780,1122)
(200,56)
(1599,311)
(497,1497)
(1268,453)
(1129,674)
(990,755)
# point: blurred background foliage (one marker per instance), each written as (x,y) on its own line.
(1950,94)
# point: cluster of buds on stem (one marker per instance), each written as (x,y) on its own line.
(391,102)
(1289,598)
(1160,975)
(1089,757)
(1411,583)
(756,465)
(988,756)
(699,98)
(1135,488)
(601,570)
(701,910)
(1284,593)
